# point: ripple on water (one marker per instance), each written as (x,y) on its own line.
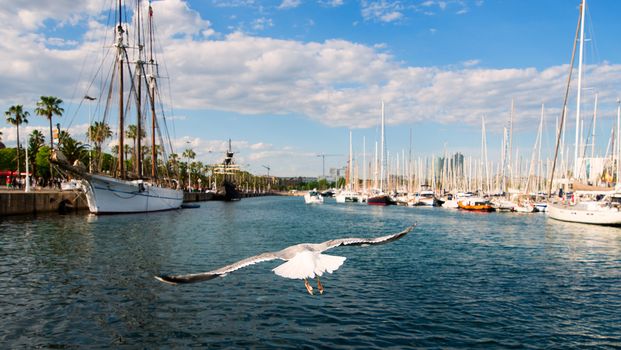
(459,280)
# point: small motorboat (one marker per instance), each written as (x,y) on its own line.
(313,197)
(475,204)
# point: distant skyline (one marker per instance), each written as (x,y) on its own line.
(286,80)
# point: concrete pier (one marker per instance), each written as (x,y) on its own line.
(42,201)
(13,202)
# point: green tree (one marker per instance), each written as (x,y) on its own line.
(71,148)
(98,133)
(48,107)
(16,115)
(132,133)
(7,158)
(35,142)
(42,162)
(188,154)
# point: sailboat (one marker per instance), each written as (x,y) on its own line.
(122,191)
(347,195)
(605,211)
(378,197)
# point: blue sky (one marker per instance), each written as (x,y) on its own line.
(287,80)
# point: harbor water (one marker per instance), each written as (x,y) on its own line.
(459,280)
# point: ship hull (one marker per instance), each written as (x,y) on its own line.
(586,214)
(107,195)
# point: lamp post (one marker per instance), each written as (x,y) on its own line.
(90,121)
(27,171)
(189,173)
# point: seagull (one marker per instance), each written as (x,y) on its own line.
(303,261)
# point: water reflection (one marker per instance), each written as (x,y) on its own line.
(458,280)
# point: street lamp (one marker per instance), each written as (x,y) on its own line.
(90,152)
(189,173)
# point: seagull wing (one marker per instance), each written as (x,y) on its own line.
(363,241)
(221,272)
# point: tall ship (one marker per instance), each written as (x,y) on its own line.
(228,168)
(132,90)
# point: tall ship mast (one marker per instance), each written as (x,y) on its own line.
(123,191)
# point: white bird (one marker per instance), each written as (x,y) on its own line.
(303,261)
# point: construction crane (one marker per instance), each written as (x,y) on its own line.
(323,162)
(268,169)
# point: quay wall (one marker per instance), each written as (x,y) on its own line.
(19,203)
(45,201)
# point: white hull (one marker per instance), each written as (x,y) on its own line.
(107,195)
(310,198)
(426,202)
(346,197)
(586,213)
(451,204)
(541,207)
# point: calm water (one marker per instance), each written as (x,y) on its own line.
(459,280)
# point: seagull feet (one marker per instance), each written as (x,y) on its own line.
(319,286)
(309,288)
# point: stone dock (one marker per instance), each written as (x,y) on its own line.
(13,202)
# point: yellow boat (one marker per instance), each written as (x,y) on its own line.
(476,204)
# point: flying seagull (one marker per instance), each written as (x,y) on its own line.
(303,261)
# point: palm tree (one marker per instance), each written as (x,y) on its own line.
(132,133)
(17,116)
(48,107)
(98,133)
(35,142)
(189,154)
(72,149)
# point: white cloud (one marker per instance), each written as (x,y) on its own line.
(332,3)
(288,4)
(262,23)
(471,63)
(383,10)
(336,82)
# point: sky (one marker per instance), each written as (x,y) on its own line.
(287,80)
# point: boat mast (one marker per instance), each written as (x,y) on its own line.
(375,163)
(580,56)
(364,164)
(561,130)
(618,141)
(510,150)
(139,75)
(120,54)
(350,177)
(382,146)
(533,158)
(484,156)
(593,129)
(152,83)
